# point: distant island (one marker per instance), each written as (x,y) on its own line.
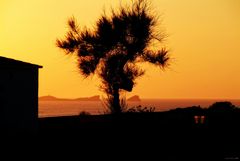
(134,98)
(92,98)
(52,98)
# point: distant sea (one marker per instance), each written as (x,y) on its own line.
(68,108)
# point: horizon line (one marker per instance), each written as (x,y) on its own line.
(177,98)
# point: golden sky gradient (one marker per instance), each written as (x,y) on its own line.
(204,39)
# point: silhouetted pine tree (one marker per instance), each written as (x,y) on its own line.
(113,48)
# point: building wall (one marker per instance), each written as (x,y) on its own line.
(19,98)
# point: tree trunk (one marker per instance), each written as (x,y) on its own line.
(116,102)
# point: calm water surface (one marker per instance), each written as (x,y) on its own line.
(67,108)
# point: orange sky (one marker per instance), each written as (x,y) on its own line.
(204,38)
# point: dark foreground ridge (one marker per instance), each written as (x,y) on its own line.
(191,133)
(182,134)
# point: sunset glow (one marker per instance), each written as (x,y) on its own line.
(203,38)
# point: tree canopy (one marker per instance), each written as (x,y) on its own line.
(116,44)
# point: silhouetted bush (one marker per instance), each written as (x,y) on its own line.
(223,115)
(222,106)
(84,113)
(141,109)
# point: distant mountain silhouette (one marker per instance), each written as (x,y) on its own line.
(134,98)
(48,98)
(93,98)
(52,98)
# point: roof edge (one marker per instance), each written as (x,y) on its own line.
(20,62)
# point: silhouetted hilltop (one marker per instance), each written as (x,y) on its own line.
(52,98)
(134,98)
(93,98)
(48,98)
